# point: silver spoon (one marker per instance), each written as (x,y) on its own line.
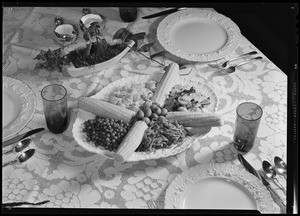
(241,56)
(232,69)
(21,158)
(271,173)
(280,166)
(19,147)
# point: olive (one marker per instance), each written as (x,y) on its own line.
(147,104)
(158,111)
(140,114)
(154,116)
(164,111)
(147,112)
(146,120)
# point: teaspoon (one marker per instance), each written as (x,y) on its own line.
(271,173)
(280,166)
(21,158)
(232,69)
(19,147)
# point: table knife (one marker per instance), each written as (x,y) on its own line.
(162,13)
(20,137)
(273,192)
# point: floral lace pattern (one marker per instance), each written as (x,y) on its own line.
(70,176)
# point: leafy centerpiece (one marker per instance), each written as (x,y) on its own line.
(96,55)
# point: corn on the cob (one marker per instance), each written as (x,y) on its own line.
(131,141)
(168,80)
(105,109)
(196,119)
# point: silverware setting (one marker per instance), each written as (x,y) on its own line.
(21,136)
(15,204)
(240,57)
(277,199)
(270,172)
(280,166)
(232,69)
(163,13)
(21,145)
(21,158)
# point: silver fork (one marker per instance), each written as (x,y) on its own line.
(151,204)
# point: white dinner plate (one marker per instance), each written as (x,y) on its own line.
(19,103)
(198,35)
(83,116)
(218,186)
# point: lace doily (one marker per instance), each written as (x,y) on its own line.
(231,172)
(28,106)
(82,116)
(165,26)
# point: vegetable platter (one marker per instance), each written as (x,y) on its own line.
(149,130)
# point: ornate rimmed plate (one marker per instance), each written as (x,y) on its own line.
(83,116)
(218,186)
(198,35)
(19,104)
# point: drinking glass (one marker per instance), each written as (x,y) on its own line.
(55,107)
(128,14)
(246,125)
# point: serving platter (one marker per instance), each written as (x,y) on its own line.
(82,71)
(198,34)
(19,104)
(83,116)
(218,186)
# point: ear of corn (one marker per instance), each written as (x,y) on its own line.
(196,119)
(105,109)
(131,141)
(168,80)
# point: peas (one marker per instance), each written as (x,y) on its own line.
(105,132)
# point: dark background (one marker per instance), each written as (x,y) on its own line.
(271,27)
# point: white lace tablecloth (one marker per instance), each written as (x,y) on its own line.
(64,173)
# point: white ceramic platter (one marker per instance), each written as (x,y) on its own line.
(198,35)
(82,71)
(83,116)
(218,186)
(19,104)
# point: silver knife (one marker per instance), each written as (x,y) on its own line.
(20,137)
(273,192)
(163,13)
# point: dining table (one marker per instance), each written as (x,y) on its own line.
(68,176)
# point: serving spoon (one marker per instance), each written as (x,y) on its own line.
(20,146)
(280,166)
(21,158)
(271,173)
(232,69)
